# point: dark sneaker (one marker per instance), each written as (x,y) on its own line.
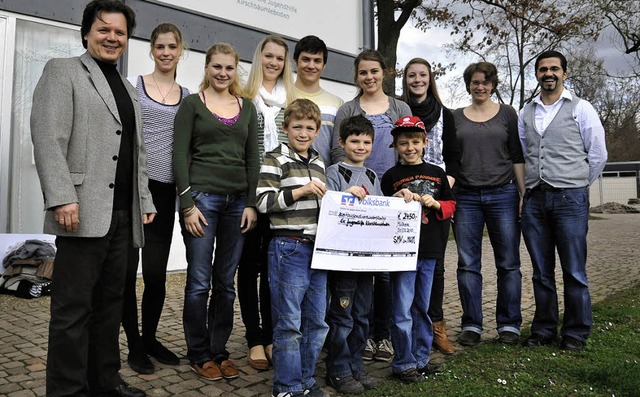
(410,375)
(315,391)
(289,394)
(429,369)
(365,380)
(369,350)
(384,351)
(508,338)
(573,344)
(345,385)
(469,338)
(537,340)
(139,362)
(156,350)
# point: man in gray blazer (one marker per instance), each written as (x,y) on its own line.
(91,161)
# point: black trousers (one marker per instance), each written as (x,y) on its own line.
(253,266)
(380,314)
(86,304)
(437,292)
(155,257)
(435,311)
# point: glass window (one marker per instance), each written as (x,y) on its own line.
(35,44)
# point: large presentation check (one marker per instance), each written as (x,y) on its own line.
(375,234)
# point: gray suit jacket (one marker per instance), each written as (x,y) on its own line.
(76,131)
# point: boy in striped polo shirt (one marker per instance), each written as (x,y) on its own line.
(292,183)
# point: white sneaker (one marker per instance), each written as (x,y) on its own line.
(369,350)
(384,351)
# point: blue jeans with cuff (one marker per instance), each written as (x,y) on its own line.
(207,327)
(351,294)
(411,328)
(550,220)
(497,207)
(298,304)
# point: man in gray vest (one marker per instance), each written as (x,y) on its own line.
(564,150)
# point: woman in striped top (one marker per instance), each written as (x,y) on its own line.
(160,96)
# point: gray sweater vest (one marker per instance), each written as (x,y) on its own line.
(559,157)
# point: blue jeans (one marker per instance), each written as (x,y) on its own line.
(411,328)
(351,294)
(299,305)
(207,330)
(559,219)
(497,207)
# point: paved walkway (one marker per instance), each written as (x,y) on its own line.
(613,265)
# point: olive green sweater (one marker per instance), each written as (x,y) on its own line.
(210,156)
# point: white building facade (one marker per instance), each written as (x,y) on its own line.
(35,31)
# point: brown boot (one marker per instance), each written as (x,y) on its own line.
(440,338)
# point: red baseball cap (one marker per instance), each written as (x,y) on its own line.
(408,124)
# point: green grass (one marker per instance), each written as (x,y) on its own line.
(609,367)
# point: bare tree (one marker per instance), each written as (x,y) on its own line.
(512,33)
(392,16)
(624,16)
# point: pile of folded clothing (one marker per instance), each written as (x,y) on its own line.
(28,269)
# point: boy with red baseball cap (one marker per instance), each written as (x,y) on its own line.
(413,179)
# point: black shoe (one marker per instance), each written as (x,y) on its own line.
(127,391)
(429,369)
(469,338)
(156,350)
(139,362)
(508,338)
(365,380)
(314,391)
(537,340)
(410,375)
(573,344)
(345,385)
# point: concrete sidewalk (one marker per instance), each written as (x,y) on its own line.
(612,266)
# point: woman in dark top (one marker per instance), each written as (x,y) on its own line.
(488,191)
(419,91)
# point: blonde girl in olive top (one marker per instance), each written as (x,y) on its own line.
(215,161)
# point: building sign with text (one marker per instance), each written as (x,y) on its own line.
(337,22)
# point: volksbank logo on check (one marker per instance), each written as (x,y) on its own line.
(350,201)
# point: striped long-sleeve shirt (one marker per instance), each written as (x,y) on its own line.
(282,171)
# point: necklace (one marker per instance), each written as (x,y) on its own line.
(160,92)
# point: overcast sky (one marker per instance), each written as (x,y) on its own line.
(416,43)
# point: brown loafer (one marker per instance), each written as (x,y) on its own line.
(209,370)
(228,369)
(257,358)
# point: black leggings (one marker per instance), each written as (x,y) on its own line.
(253,265)
(437,292)
(155,256)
